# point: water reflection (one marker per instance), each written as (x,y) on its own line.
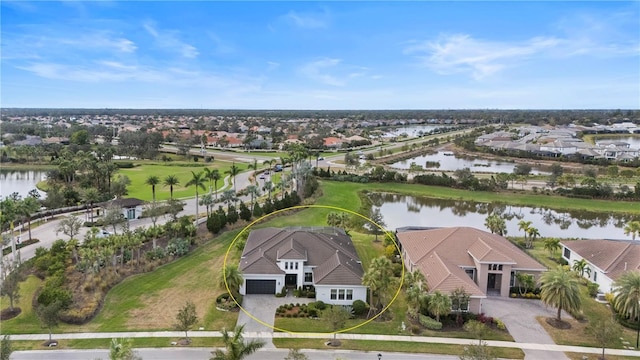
(20,181)
(402,210)
(450,162)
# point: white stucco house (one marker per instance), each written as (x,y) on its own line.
(325,258)
(607,259)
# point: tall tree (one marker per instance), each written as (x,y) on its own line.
(171,181)
(186,318)
(197,180)
(605,332)
(581,267)
(228,197)
(336,316)
(26,208)
(268,187)
(233,171)
(524,226)
(90,196)
(10,287)
(560,288)
(152,181)
(378,279)
(235,346)
(48,315)
(254,192)
(533,234)
(254,166)
(627,298)
(377,221)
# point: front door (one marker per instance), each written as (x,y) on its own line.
(291,280)
(491,281)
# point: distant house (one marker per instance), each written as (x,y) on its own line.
(332,142)
(325,258)
(131,207)
(482,263)
(607,259)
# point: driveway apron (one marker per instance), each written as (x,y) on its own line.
(259,313)
(519,315)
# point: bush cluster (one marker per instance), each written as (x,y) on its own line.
(429,322)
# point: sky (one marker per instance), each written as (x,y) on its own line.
(320,55)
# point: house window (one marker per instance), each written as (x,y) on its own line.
(286,265)
(308,277)
(500,267)
(334,294)
(349,294)
(512,281)
(341,293)
(296,265)
(595,276)
(471,273)
(131,214)
(567,253)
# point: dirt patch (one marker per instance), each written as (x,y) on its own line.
(7,314)
(160,308)
(558,324)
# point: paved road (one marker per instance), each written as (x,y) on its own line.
(519,315)
(205,353)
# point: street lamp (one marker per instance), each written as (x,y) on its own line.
(379,356)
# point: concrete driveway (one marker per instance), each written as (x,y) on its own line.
(519,315)
(259,311)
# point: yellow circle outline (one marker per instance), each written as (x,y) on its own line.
(224,265)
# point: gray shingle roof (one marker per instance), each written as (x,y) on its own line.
(339,269)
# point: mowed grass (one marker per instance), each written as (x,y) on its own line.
(27,322)
(392,346)
(105,343)
(139,174)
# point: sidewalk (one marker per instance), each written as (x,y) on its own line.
(279,335)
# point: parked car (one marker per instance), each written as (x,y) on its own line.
(277,168)
(103,233)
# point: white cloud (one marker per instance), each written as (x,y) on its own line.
(461,53)
(316,70)
(272,65)
(308,20)
(169,40)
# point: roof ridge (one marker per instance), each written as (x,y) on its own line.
(442,239)
(335,267)
(618,258)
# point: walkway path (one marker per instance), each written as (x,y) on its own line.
(269,335)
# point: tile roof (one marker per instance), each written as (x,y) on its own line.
(614,257)
(441,253)
(332,255)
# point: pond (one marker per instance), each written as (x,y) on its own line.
(401,210)
(633,141)
(20,181)
(450,162)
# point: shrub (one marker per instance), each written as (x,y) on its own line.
(359,307)
(609,297)
(320,305)
(429,322)
(415,329)
(313,312)
(500,325)
(592,288)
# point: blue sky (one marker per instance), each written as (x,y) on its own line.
(321,55)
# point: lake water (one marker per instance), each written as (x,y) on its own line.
(401,210)
(20,181)
(633,141)
(449,162)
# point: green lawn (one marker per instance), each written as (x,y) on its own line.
(27,321)
(139,174)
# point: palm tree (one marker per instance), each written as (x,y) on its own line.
(415,278)
(533,234)
(560,288)
(213,175)
(228,197)
(207,200)
(415,297)
(122,349)
(632,228)
(152,181)
(552,245)
(378,279)
(198,181)
(235,347)
(254,192)
(524,226)
(254,166)
(90,196)
(268,186)
(171,181)
(233,171)
(496,224)
(627,299)
(231,278)
(581,266)
(439,304)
